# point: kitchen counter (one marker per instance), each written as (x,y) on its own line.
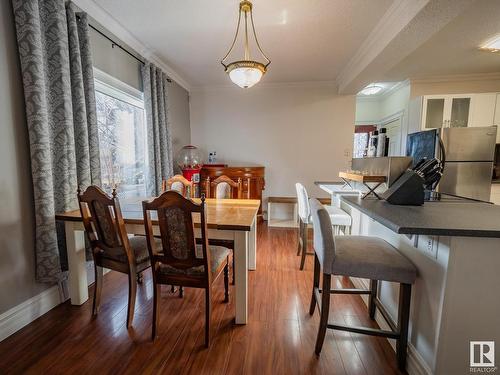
(460,217)
(455,245)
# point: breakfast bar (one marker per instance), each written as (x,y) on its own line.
(455,245)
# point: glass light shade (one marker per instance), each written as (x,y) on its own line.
(493,45)
(371,90)
(245,77)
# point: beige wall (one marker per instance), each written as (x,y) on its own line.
(455,87)
(17,269)
(115,61)
(297,133)
(178,103)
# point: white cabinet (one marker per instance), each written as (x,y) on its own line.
(444,111)
(495,193)
(483,109)
(449,111)
(496,119)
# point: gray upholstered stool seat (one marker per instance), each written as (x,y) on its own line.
(371,258)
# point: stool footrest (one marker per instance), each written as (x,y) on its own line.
(365,330)
(347,291)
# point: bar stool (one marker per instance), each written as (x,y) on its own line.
(338,217)
(359,256)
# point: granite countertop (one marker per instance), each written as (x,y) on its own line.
(464,218)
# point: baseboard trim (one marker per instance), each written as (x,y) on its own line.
(21,315)
(415,363)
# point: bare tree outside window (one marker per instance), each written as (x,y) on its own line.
(122,141)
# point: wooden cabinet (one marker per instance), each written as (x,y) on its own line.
(252,177)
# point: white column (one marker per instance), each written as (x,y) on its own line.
(241,276)
(75,244)
(252,246)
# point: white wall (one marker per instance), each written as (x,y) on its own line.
(299,133)
(395,102)
(371,111)
(368,111)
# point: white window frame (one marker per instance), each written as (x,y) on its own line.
(111,86)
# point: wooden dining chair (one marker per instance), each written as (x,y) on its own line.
(224,188)
(179,183)
(111,247)
(181,259)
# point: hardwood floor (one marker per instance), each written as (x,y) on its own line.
(279,338)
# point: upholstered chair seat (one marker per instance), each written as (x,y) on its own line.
(139,246)
(218,257)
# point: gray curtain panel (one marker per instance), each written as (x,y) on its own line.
(54,52)
(158,127)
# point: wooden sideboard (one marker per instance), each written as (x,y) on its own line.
(250,175)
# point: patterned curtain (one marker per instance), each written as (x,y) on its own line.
(158,127)
(54,52)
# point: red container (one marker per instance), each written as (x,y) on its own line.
(192,174)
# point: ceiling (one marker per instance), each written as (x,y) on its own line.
(453,50)
(307,40)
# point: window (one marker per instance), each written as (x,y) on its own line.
(122,138)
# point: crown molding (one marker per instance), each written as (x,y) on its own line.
(106,20)
(399,15)
(457,78)
(268,85)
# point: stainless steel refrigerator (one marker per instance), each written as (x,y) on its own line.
(469,158)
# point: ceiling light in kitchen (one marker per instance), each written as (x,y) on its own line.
(371,90)
(493,45)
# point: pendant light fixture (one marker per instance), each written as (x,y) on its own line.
(246,72)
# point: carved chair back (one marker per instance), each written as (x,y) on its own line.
(103,221)
(224,188)
(174,215)
(179,183)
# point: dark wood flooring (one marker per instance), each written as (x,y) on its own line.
(278,339)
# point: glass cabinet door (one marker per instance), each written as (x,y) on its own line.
(459,112)
(435,113)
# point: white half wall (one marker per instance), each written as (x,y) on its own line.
(298,132)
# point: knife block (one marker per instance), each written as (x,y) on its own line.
(407,190)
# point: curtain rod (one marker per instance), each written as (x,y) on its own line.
(113,44)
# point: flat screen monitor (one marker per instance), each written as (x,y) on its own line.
(421,145)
